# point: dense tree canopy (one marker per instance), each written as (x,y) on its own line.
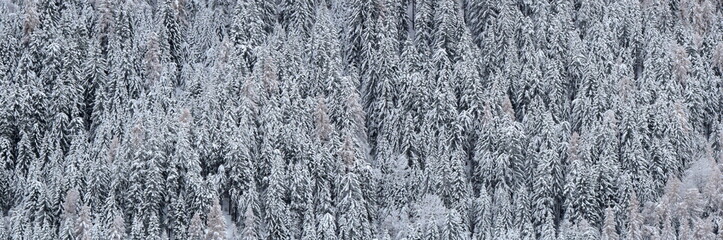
(361,119)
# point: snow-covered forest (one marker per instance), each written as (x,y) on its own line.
(361,119)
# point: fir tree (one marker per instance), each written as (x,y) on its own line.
(277,211)
(196,227)
(353,220)
(634,220)
(215,222)
(609,230)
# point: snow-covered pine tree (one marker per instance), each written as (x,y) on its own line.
(359,35)
(70,214)
(608,165)
(153,228)
(352,216)
(633,229)
(609,230)
(241,169)
(247,30)
(117,230)
(277,211)
(84,228)
(300,195)
(326,227)
(500,149)
(325,55)
(580,201)
(297,15)
(215,222)
(196,227)
(523,217)
(378,88)
(453,227)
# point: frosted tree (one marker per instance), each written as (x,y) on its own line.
(352,218)
(117,230)
(84,227)
(684,231)
(586,231)
(454,227)
(579,190)
(277,211)
(241,169)
(250,224)
(633,229)
(153,228)
(196,227)
(359,33)
(478,16)
(326,227)
(396,185)
(178,216)
(309,226)
(431,215)
(668,232)
(173,18)
(712,190)
(503,212)
(499,150)
(378,86)
(325,57)
(297,15)
(137,229)
(424,26)
(468,83)
(451,186)
(215,222)
(447,28)
(300,195)
(547,179)
(609,230)
(70,214)
(246,30)
(703,229)
(523,216)
(607,163)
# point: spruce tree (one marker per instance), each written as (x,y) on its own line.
(353,219)
(196,227)
(215,222)
(277,211)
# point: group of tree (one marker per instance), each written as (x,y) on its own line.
(361,119)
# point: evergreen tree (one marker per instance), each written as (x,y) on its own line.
(215,222)
(453,227)
(250,224)
(70,214)
(448,28)
(634,220)
(137,228)
(84,227)
(378,84)
(297,15)
(153,229)
(609,230)
(246,30)
(326,227)
(277,211)
(117,230)
(196,227)
(353,220)
(546,180)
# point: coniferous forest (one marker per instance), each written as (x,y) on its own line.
(361,119)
